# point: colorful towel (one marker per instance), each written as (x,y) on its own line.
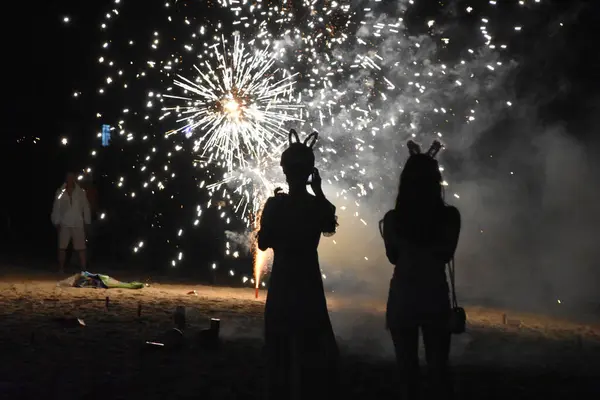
(98,281)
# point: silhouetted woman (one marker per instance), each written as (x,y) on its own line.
(300,345)
(421,235)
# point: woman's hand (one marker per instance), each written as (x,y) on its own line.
(315,184)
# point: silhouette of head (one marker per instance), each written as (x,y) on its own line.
(298,160)
(421,181)
(89,179)
(71,179)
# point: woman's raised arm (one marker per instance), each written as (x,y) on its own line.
(266,235)
(327,216)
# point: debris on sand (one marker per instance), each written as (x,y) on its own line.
(86,279)
(209,338)
(173,339)
(70,322)
(510,322)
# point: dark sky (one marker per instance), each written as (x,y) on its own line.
(50,60)
(47,60)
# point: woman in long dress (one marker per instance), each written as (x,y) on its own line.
(421,235)
(299,340)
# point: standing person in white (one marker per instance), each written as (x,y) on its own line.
(70,216)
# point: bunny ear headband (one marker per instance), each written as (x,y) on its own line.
(414,148)
(299,153)
(308,142)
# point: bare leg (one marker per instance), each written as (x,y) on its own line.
(62,257)
(82,259)
(436,338)
(406,344)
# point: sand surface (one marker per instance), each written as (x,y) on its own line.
(47,353)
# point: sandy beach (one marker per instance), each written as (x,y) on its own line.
(47,353)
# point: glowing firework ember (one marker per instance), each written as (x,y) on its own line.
(261,259)
(238,107)
(351,71)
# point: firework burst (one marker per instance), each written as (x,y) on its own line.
(239,106)
(351,71)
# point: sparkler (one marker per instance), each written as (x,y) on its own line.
(260,257)
(351,72)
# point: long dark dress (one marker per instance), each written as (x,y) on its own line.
(299,339)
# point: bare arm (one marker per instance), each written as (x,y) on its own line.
(87,218)
(327,212)
(55,217)
(325,209)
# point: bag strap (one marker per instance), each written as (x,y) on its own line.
(452,286)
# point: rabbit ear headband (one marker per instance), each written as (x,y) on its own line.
(414,148)
(308,142)
(299,153)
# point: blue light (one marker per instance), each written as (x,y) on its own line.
(105,135)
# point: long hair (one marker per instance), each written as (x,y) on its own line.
(420,199)
(420,183)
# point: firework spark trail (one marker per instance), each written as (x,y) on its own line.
(359,76)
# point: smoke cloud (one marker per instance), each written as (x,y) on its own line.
(526,190)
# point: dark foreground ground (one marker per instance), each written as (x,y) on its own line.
(43,356)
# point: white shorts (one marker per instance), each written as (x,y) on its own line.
(66,235)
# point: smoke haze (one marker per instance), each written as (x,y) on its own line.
(527,191)
(526,188)
(529,234)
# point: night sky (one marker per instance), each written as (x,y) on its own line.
(47,59)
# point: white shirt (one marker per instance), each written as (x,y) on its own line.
(71,211)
